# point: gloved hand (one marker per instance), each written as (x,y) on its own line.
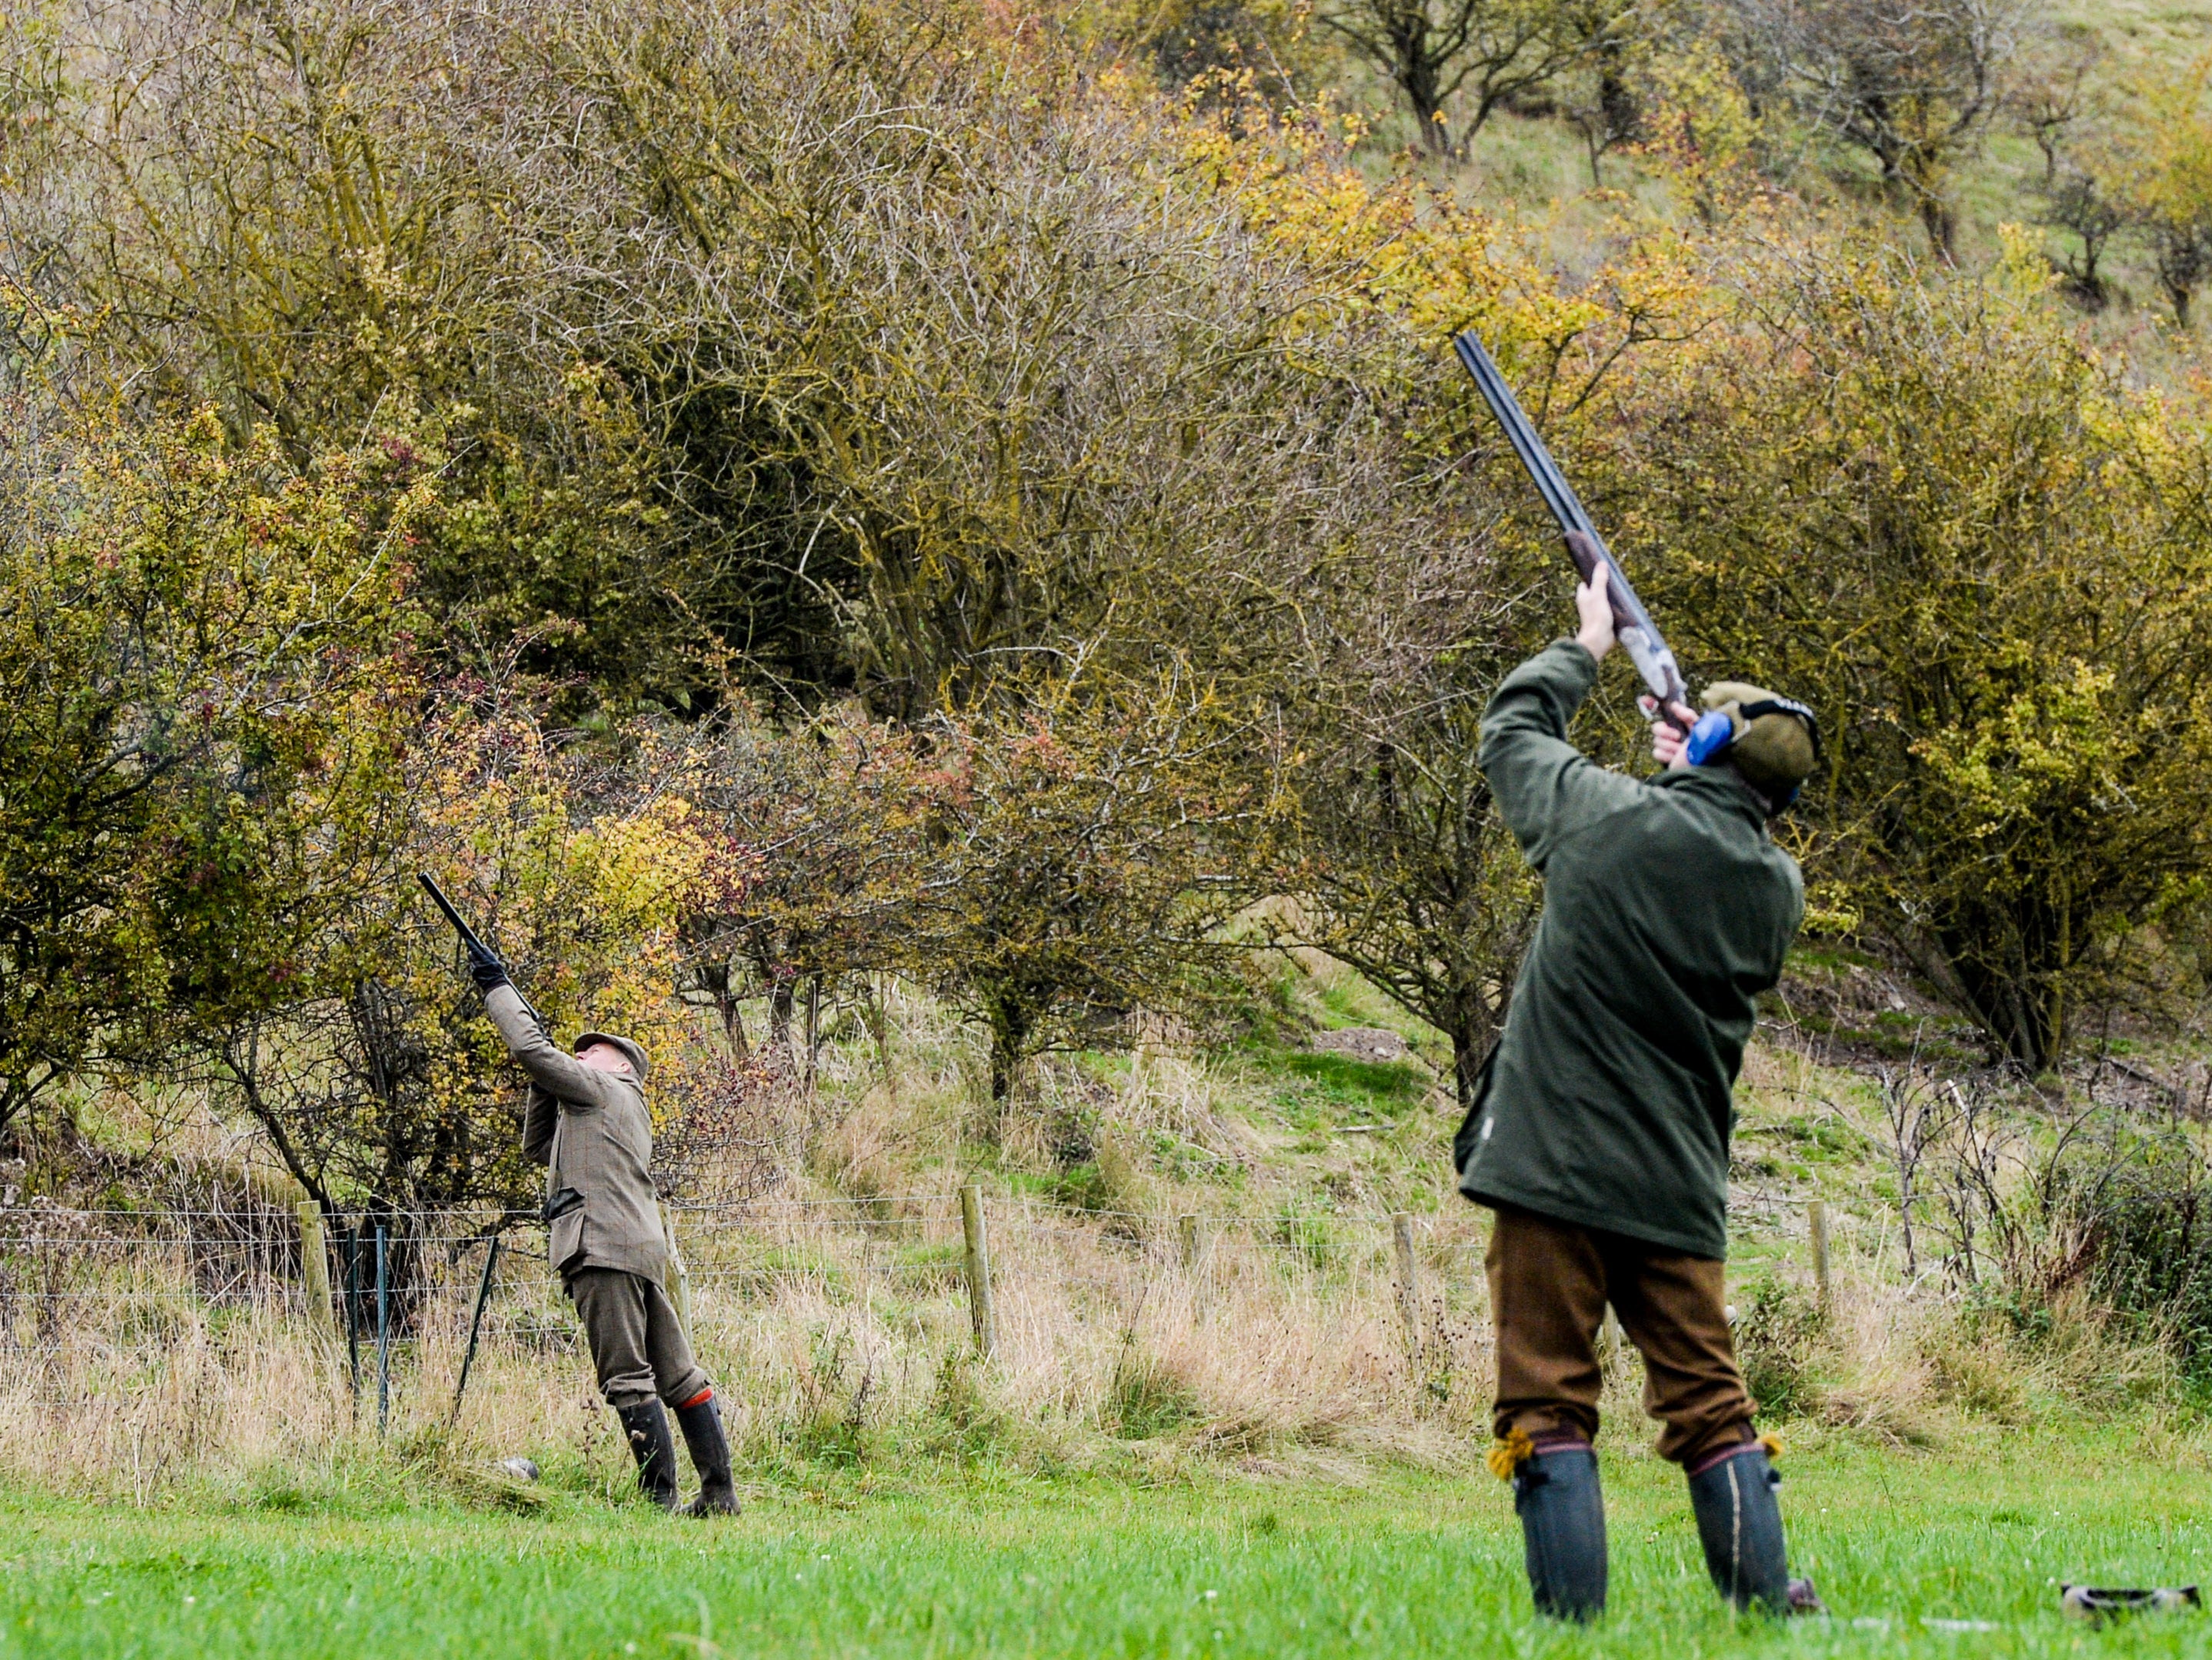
(486,970)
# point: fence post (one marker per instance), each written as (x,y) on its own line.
(1817,1214)
(1409,1307)
(678,1279)
(1190,1238)
(383,1338)
(314,1267)
(979,1269)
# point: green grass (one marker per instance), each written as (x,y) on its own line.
(1409,1565)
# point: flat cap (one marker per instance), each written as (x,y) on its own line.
(638,1063)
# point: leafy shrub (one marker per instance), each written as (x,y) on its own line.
(1937,516)
(2150,1249)
(1774,1338)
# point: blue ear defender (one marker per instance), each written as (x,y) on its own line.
(1713,733)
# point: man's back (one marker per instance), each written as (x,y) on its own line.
(1667,910)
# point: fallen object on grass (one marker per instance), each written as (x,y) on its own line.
(2097,1603)
(523,1469)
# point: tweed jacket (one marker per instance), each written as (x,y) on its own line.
(591,1131)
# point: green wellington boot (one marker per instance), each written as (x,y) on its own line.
(710,1457)
(646,1426)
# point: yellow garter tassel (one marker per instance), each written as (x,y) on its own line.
(1771,1442)
(1507,1456)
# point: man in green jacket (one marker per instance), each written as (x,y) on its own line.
(1600,1130)
(587,1123)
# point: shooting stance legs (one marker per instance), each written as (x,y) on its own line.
(1550,1281)
(643,1359)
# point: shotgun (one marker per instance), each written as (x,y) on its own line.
(477,947)
(1647,648)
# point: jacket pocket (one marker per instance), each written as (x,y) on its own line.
(561,1203)
(1471,1126)
(565,1239)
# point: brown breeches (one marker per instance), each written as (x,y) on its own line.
(638,1346)
(1549,1283)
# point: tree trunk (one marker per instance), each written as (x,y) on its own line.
(715,979)
(2179,294)
(1473,1026)
(1010,1032)
(1417,78)
(1469,1050)
(1006,1061)
(1941,222)
(813,1026)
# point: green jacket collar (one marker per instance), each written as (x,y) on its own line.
(1724,790)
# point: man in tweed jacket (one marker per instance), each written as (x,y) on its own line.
(587,1123)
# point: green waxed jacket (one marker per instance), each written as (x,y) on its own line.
(1668,909)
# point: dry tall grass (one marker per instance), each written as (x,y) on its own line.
(1142,1331)
(839,1330)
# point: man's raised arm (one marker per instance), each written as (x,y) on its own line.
(576,1084)
(1545,787)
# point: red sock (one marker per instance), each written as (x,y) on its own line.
(702,1396)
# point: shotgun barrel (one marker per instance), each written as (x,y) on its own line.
(477,947)
(1647,648)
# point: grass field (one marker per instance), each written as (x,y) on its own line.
(1405,1564)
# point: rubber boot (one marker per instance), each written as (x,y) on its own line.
(646,1426)
(1562,1512)
(1740,1526)
(710,1457)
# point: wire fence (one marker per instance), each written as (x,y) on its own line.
(405,1303)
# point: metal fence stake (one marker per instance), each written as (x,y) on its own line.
(979,1269)
(353,1314)
(476,1325)
(383,1339)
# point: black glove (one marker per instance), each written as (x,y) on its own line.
(487,971)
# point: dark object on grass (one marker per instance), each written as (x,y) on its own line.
(2099,1603)
(522,1470)
(654,1449)
(1740,1526)
(710,1457)
(1562,1510)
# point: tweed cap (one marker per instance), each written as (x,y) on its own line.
(1777,740)
(638,1065)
